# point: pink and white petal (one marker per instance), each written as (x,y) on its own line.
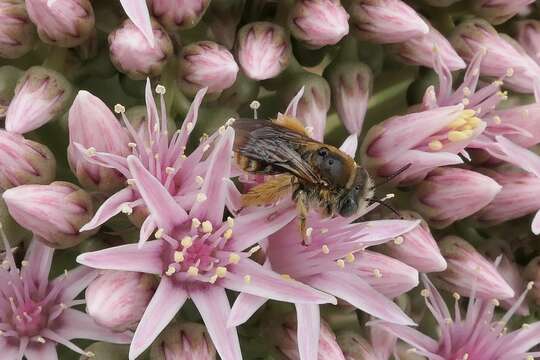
(191,119)
(74,282)
(350,145)
(519,156)
(76,324)
(165,304)
(127,258)
(383,342)
(253,227)
(535,227)
(147,228)
(111,207)
(39,257)
(214,308)
(524,339)
(165,211)
(293,105)
(244,306)
(411,336)
(309,327)
(9,351)
(358,293)
(137,11)
(36,351)
(233,200)
(268,284)
(215,185)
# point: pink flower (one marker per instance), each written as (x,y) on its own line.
(529,37)
(24,161)
(183,341)
(318,22)
(40,96)
(497,11)
(356,347)
(386,21)
(65,23)
(178,14)
(16,30)
(475,335)
(137,11)
(134,56)
(263,50)
(504,56)
(198,255)
(36,314)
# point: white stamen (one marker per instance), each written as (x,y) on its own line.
(119,109)
(160,89)
(207,227)
(201,197)
(159,233)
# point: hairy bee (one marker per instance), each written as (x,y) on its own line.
(316,175)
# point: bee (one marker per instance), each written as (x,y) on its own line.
(314,174)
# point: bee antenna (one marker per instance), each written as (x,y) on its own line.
(393,176)
(383,203)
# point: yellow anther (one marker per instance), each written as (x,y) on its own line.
(230,222)
(435,145)
(24,263)
(230,121)
(170,270)
(221,271)
(456,124)
(178,256)
(350,257)
(221,130)
(195,223)
(186,241)
(377,273)
(324,230)
(132,145)
(234,258)
(497,120)
(193,271)
(91,151)
(159,233)
(424,292)
(530,285)
(325,249)
(509,72)
(227,234)
(340,263)
(399,240)
(40,339)
(213,279)
(90,354)
(201,197)
(255,105)
(495,302)
(199,180)
(455,136)
(130,182)
(247,279)
(309,230)
(207,227)
(126,209)
(466,91)
(160,89)
(119,109)
(456,296)
(286,277)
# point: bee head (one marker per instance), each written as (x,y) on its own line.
(355,197)
(333,166)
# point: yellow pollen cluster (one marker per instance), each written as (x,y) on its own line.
(193,271)
(286,277)
(398,240)
(207,227)
(195,223)
(201,197)
(199,180)
(228,234)
(247,279)
(463,127)
(187,241)
(350,257)
(178,256)
(340,263)
(234,258)
(159,233)
(221,271)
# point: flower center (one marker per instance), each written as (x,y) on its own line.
(462,128)
(28,317)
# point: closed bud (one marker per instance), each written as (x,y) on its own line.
(355,347)
(93,125)
(511,273)
(206,64)
(419,51)
(65,23)
(223,17)
(386,21)
(503,57)
(417,248)
(15,234)
(528,37)
(183,341)
(54,213)
(133,55)
(24,161)
(105,351)
(178,14)
(497,12)
(351,84)
(532,273)
(118,299)
(263,50)
(16,29)
(318,23)
(469,273)
(40,96)
(451,194)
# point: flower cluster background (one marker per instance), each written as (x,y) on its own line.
(123,231)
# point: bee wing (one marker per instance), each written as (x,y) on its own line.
(275,145)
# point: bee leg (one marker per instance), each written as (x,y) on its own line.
(302,216)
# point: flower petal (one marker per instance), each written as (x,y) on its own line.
(519,156)
(214,308)
(165,211)
(523,339)
(244,306)
(74,282)
(9,352)
(293,105)
(536,223)
(350,145)
(409,335)
(127,258)
(111,207)
(147,228)
(137,11)
(309,326)
(357,292)
(268,284)
(166,302)
(78,325)
(39,257)
(45,351)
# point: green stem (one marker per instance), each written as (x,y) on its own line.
(56,60)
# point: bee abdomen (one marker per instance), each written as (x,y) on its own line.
(250,165)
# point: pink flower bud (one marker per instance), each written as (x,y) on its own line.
(223,18)
(419,51)
(54,213)
(133,55)
(93,125)
(386,21)
(351,84)
(318,22)
(529,37)
(65,23)
(417,248)
(504,56)
(16,30)
(178,14)
(24,161)
(496,11)
(206,64)
(183,341)
(469,271)
(263,50)
(14,232)
(532,273)
(520,124)
(40,96)
(118,299)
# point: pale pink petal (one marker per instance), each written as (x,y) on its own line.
(165,211)
(293,105)
(74,282)
(39,257)
(191,119)
(254,227)
(9,351)
(127,258)
(147,228)
(268,284)
(111,207)
(214,308)
(234,197)
(350,145)
(519,156)
(215,185)
(309,326)
(536,223)
(45,351)
(523,339)
(78,325)
(137,11)
(411,336)
(244,306)
(358,293)
(383,342)
(166,302)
